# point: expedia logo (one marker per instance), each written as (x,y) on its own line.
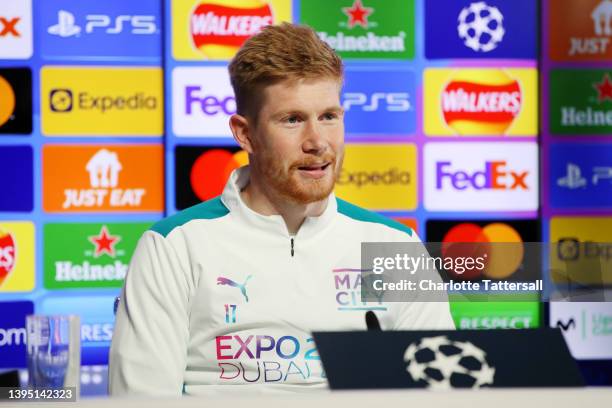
(571,249)
(467,101)
(379,177)
(226,26)
(63,100)
(393,176)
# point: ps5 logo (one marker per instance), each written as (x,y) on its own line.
(574,179)
(392,101)
(136,24)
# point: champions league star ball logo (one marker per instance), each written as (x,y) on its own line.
(480,26)
(441,364)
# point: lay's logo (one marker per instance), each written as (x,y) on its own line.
(480,102)
(216,29)
(227,26)
(7,254)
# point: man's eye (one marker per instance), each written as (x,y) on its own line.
(292,120)
(329,116)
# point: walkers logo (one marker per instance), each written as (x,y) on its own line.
(17,187)
(481,29)
(97,323)
(484,101)
(215,29)
(102,178)
(16,97)
(13,333)
(581,101)
(16,256)
(373,29)
(379,102)
(89,255)
(202,101)
(582,250)
(81,101)
(380,176)
(504,260)
(202,172)
(580,30)
(587,328)
(16,29)
(113,29)
(581,176)
(496,315)
(493,176)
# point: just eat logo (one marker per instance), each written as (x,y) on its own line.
(495,176)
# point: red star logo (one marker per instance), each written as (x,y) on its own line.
(104,242)
(357,14)
(604,89)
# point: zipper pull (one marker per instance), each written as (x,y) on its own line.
(292,251)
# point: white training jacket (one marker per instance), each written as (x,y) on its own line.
(221,295)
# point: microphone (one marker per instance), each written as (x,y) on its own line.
(372,321)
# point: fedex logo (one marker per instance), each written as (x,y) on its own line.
(197,100)
(202,102)
(379,102)
(495,175)
(15,29)
(9,27)
(481,176)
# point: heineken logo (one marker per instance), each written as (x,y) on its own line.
(581,101)
(351,30)
(89,255)
(604,89)
(357,14)
(104,243)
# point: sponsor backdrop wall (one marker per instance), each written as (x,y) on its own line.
(114,114)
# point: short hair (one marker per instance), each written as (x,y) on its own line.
(279,52)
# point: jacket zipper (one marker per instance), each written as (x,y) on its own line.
(292,247)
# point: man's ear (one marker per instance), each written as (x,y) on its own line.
(242,132)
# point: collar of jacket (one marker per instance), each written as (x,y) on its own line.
(272,223)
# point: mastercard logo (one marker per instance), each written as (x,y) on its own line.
(499,244)
(7,96)
(212,169)
(218,28)
(7,255)
(485,102)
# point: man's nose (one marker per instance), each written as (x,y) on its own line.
(314,139)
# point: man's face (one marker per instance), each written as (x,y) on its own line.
(298,141)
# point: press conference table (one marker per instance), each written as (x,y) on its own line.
(497,398)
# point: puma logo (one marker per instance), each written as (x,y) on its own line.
(225,281)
